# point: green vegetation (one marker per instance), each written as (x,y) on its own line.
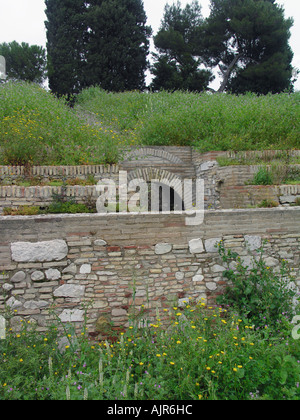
(38,129)
(276,174)
(241,350)
(204,121)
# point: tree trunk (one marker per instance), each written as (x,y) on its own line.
(227,73)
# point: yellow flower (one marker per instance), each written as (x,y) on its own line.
(172,363)
(141,363)
(21,360)
(178,342)
(158,355)
(235,369)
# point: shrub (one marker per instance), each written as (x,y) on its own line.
(263,177)
(260,294)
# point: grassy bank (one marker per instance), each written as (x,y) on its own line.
(38,129)
(203,121)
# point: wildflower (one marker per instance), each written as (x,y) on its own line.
(172,363)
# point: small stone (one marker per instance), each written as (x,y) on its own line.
(198,277)
(119,312)
(18,277)
(163,248)
(37,276)
(70,290)
(100,242)
(211,286)
(218,268)
(70,315)
(32,304)
(7,287)
(13,303)
(271,262)
(210,245)
(253,242)
(179,275)
(71,269)
(86,269)
(196,246)
(52,274)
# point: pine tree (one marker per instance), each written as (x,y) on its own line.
(248,41)
(177,65)
(24,61)
(117,45)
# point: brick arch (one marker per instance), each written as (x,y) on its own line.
(161,175)
(148,151)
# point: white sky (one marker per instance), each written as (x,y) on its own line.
(23,21)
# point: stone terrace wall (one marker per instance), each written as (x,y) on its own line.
(63,262)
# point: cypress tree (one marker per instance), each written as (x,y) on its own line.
(66,36)
(118,44)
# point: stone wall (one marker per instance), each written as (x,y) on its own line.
(120,264)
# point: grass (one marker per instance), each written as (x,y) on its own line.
(203,121)
(38,129)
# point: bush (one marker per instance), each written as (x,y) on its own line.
(263,177)
(258,294)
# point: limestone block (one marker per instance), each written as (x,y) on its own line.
(196,246)
(13,303)
(210,245)
(211,286)
(7,287)
(52,274)
(163,248)
(70,291)
(198,277)
(38,304)
(72,315)
(100,242)
(86,269)
(253,242)
(37,276)
(18,277)
(46,251)
(218,268)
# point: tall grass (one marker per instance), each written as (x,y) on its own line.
(204,121)
(37,128)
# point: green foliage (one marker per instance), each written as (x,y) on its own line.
(203,121)
(263,177)
(65,45)
(101,42)
(248,41)
(201,352)
(24,62)
(176,66)
(258,293)
(38,129)
(266,203)
(117,44)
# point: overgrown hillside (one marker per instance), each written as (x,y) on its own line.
(37,128)
(203,121)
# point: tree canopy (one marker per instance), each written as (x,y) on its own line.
(177,64)
(24,62)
